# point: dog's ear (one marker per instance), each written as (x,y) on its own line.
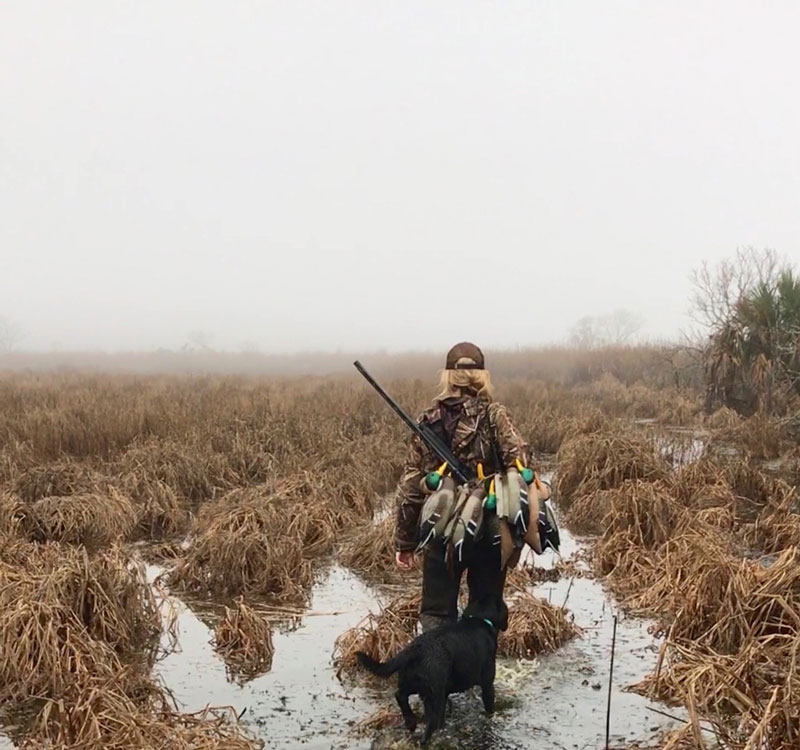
(502,620)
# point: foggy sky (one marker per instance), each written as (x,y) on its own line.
(304,175)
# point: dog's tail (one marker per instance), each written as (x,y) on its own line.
(383,668)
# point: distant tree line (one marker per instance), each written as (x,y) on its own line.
(10,334)
(611,329)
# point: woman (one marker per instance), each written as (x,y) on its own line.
(478,431)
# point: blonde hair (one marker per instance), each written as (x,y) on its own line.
(454,382)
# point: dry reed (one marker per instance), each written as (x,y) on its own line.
(723,418)
(161,553)
(161,511)
(534,627)
(12,511)
(93,520)
(760,436)
(587,512)
(590,463)
(244,640)
(380,635)
(125,711)
(65,616)
(253,541)
(192,472)
(675,549)
(369,551)
(641,517)
(59,479)
(383,718)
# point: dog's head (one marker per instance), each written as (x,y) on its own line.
(489,607)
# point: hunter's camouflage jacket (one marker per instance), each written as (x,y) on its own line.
(468,425)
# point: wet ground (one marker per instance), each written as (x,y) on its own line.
(558,700)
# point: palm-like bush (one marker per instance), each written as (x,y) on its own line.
(753,356)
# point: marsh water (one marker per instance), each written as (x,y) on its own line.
(559,699)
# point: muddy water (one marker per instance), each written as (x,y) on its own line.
(559,699)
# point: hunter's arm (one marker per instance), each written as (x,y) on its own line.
(511,443)
(410,497)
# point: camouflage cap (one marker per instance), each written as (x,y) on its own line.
(467,351)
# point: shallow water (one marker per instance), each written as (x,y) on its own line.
(559,699)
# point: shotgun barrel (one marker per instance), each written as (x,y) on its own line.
(461,472)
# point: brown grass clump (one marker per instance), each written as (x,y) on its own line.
(701,497)
(720,518)
(244,640)
(700,473)
(60,479)
(77,635)
(733,634)
(649,537)
(534,627)
(519,578)
(161,512)
(547,427)
(533,575)
(369,551)
(383,718)
(381,636)
(113,600)
(762,601)
(362,468)
(192,472)
(65,616)
(11,515)
(750,699)
(45,651)
(527,574)
(254,541)
(675,549)
(777,525)
(93,520)
(15,458)
(641,518)
(760,436)
(590,463)
(124,711)
(740,485)
(723,418)
(646,513)
(680,409)
(587,512)
(682,581)
(161,553)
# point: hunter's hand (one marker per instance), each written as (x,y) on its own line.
(405,560)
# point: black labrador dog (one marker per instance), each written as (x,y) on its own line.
(449,659)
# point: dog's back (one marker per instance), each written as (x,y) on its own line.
(456,650)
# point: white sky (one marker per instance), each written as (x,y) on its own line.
(305,175)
